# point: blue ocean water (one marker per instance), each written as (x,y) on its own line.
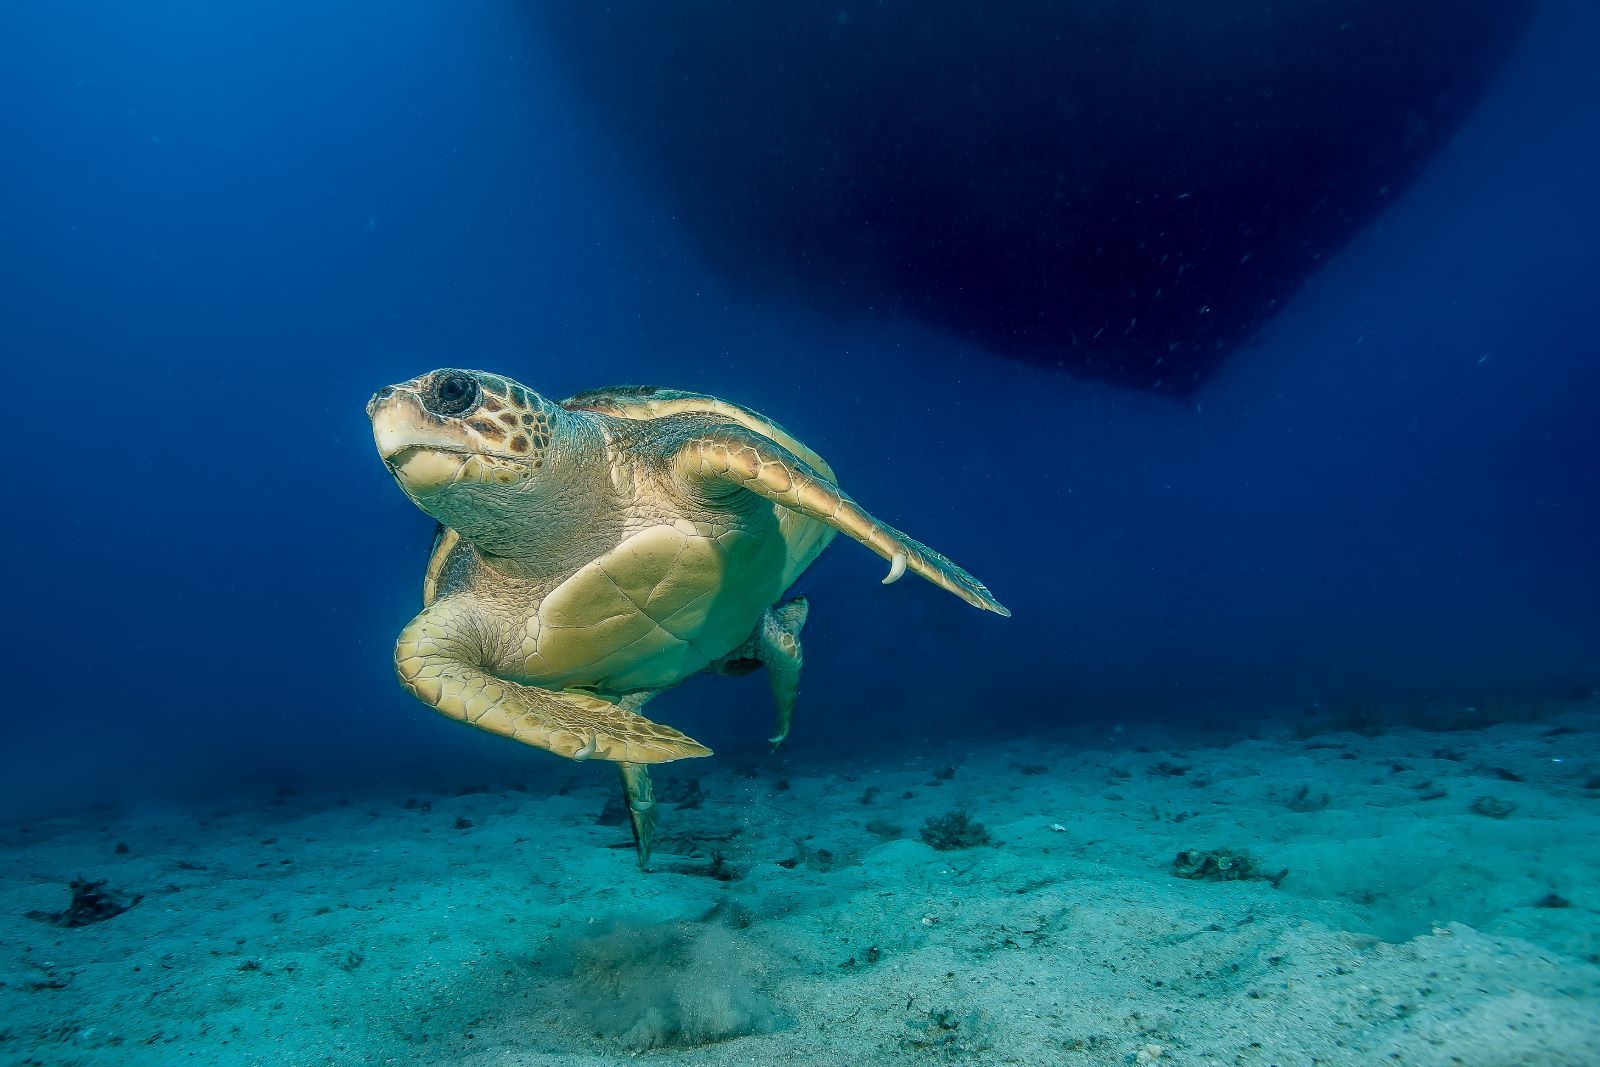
(227,225)
(223,226)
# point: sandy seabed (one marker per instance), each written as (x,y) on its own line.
(1441,906)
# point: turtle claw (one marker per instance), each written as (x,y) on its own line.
(588,749)
(897,567)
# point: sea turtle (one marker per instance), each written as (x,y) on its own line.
(594,552)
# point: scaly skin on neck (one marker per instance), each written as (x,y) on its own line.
(566,510)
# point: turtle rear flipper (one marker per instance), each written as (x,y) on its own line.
(776,646)
(641,797)
(779,647)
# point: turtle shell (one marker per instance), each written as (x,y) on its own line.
(806,537)
(645,402)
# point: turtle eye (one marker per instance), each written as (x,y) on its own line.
(451,392)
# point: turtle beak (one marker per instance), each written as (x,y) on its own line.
(397,423)
(422,455)
(390,435)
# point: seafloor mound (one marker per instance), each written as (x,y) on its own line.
(663,985)
(1127,191)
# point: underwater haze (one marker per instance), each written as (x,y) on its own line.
(1369,539)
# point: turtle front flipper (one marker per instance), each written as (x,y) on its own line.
(731,455)
(439,656)
(775,645)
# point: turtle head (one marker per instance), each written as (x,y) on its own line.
(476,451)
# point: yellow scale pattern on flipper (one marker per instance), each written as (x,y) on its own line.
(433,660)
(755,463)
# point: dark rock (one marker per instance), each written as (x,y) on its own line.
(1492,807)
(91,903)
(1222,865)
(953,830)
